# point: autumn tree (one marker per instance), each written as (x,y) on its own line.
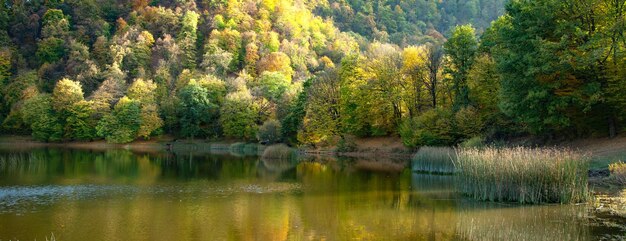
(321,122)
(123,123)
(144,92)
(239,115)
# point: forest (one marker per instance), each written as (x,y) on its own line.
(312,73)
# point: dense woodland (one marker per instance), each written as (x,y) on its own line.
(312,72)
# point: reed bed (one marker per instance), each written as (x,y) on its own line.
(438,160)
(524,175)
(618,172)
(280,151)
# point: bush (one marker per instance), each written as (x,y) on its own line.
(346,144)
(467,122)
(270,132)
(474,142)
(433,128)
(618,172)
(279,151)
(524,175)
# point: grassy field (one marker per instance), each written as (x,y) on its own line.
(602,151)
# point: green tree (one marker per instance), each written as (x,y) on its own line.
(66,94)
(38,113)
(273,85)
(239,115)
(553,67)
(269,132)
(5,75)
(55,24)
(187,38)
(353,106)
(51,50)
(384,84)
(292,122)
(196,110)
(462,48)
(434,127)
(123,123)
(54,31)
(80,123)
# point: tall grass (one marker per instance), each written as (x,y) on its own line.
(525,175)
(434,160)
(280,151)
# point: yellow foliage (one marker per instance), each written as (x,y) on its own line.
(618,172)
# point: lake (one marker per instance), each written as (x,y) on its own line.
(123,195)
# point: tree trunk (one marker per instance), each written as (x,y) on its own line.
(612,129)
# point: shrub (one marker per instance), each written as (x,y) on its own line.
(618,172)
(279,151)
(434,160)
(346,144)
(433,128)
(524,175)
(270,132)
(467,122)
(474,142)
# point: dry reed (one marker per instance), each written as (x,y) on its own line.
(434,160)
(525,175)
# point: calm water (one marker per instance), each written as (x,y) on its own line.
(121,195)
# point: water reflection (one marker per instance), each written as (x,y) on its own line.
(121,195)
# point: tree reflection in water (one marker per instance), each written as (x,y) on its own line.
(122,195)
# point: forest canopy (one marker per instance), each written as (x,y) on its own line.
(312,72)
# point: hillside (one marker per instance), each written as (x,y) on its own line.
(311,73)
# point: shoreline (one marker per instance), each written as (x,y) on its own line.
(161,144)
(598,178)
(602,151)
